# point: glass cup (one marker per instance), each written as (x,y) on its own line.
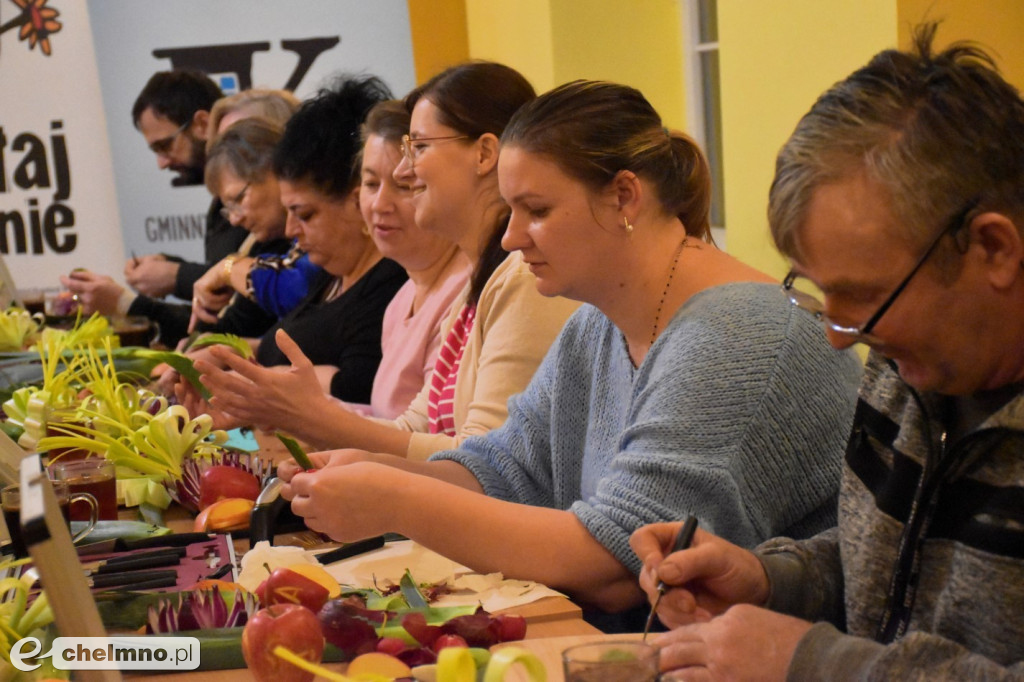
(93,475)
(10,501)
(60,304)
(611,661)
(33,300)
(133,330)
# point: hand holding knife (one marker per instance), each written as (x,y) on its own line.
(682,541)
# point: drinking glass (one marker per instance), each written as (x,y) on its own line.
(10,502)
(93,475)
(611,661)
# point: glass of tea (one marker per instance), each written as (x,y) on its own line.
(133,330)
(611,661)
(10,502)
(93,475)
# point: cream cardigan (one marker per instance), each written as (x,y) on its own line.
(513,329)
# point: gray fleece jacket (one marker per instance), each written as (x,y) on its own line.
(965,619)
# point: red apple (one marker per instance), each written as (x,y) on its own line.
(392,646)
(445,641)
(285,586)
(511,627)
(289,625)
(221,481)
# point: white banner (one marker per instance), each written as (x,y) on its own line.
(58,209)
(293,44)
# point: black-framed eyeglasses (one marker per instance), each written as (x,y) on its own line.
(808,302)
(234,204)
(163,145)
(412,147)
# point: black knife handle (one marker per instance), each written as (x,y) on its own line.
(131,563)
(351,550)
(133,578)
(171,540)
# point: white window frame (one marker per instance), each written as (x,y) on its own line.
(695,94)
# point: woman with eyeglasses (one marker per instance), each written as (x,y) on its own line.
(239,173)
(500,327)
(687,386)
(276,282)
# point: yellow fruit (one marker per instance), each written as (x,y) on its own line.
(224,515)
(318,574)
(375,665)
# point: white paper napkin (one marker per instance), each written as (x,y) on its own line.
(388,565)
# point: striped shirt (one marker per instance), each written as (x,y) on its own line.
(440,400)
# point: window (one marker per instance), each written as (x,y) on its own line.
(704,97)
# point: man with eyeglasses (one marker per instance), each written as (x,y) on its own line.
(172,112)
(899,200)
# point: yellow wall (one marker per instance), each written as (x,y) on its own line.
(553,41)
(995,24)
(439,35)
(639,43)
(776,58)
(516,33)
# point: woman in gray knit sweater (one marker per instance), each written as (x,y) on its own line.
(688,386)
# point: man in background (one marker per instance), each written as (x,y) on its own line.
(173,114)
(900,196)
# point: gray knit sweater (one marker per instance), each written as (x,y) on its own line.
(967,622)
(738,414)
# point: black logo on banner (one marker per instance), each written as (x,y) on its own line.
(231,66)
(237,59)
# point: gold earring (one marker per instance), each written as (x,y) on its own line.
(627,225)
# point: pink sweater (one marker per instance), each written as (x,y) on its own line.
(410,341)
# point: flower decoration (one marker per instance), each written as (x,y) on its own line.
(37,21)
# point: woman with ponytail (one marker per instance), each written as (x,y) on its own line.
(688,386)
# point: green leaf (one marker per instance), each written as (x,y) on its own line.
(235,343)
(413,597)
(181,364)
(297,453)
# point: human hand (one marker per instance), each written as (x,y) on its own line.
(164,377)
(192,400)
(269,398)
(347,502)
(746,643)
(152,275)
(321,460)
(706,579)
(211,293)
(96,293)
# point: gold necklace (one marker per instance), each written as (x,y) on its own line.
(334,291)
(664,294)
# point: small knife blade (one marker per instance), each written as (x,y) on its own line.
(683,539)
